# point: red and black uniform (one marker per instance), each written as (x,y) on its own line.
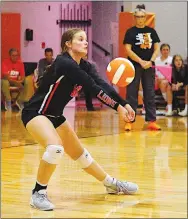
(64,79)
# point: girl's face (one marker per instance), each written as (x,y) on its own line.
(165,51)
(178,62)
(79,44)
(140,18)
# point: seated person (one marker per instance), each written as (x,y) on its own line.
(179,81)
(44,63)
(164,60)
(13,74)
(160,81)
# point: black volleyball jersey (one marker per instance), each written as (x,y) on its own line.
(63,80)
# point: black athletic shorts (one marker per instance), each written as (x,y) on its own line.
(27,115)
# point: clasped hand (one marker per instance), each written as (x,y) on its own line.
(145,64)
(126,112)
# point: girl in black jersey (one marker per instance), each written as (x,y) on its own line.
(44,120)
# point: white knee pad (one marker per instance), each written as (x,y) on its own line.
(85,159)
(53,154)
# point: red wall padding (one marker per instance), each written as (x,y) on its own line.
(10,33)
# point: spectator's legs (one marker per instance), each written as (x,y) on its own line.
(132,93)
(169,100)
(162,83)
(5,86)
(140,92)
(16,98)
(148,84)
(185,111)
(27,92)
(133,87)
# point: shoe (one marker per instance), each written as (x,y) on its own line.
(183,113)
(160,113)
(40,201)
(119,187)
(169,113)
(153,126)
(128,126)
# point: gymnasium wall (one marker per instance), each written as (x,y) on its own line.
(103,14)
(36,16)
(105,31)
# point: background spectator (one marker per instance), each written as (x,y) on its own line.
(179,82)
(164,60)
(45,62)
(13,74)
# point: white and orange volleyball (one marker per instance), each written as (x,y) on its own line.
(120,72)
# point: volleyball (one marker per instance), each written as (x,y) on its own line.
(120,72)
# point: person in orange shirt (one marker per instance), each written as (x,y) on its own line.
(12,74)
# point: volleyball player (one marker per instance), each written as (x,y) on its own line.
(44,120)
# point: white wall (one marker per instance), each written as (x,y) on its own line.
(105,17)
(171,23)
(103,14)
(36,16)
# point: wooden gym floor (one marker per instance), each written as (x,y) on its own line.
(156,161)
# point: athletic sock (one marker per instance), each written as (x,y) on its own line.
(169,107)
(186,107)
(39,187)
(164,96)
(108,180)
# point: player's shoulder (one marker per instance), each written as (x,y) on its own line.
(64,58)
(85,65)
(85,62)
